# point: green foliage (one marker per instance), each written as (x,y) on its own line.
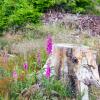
(17,13)
(44,5)
(79,6)
(98,1)
(4,73)
(17,87)
(73,6)
(55,85)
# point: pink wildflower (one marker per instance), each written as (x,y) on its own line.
(48,71)
(49,44)
(15,76)
(25,66)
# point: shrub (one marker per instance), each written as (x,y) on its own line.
(17,13)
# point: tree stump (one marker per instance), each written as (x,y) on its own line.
(76,62)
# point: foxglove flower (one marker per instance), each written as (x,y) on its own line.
(48,71)
(25,66)
(15,76)
(49,45)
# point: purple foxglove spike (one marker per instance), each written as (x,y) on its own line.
(25,66)
(48,71)
(49,45)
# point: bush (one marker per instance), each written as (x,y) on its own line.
(17,13)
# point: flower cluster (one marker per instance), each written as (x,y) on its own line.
(25,66)
(48,71)
(49,45)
